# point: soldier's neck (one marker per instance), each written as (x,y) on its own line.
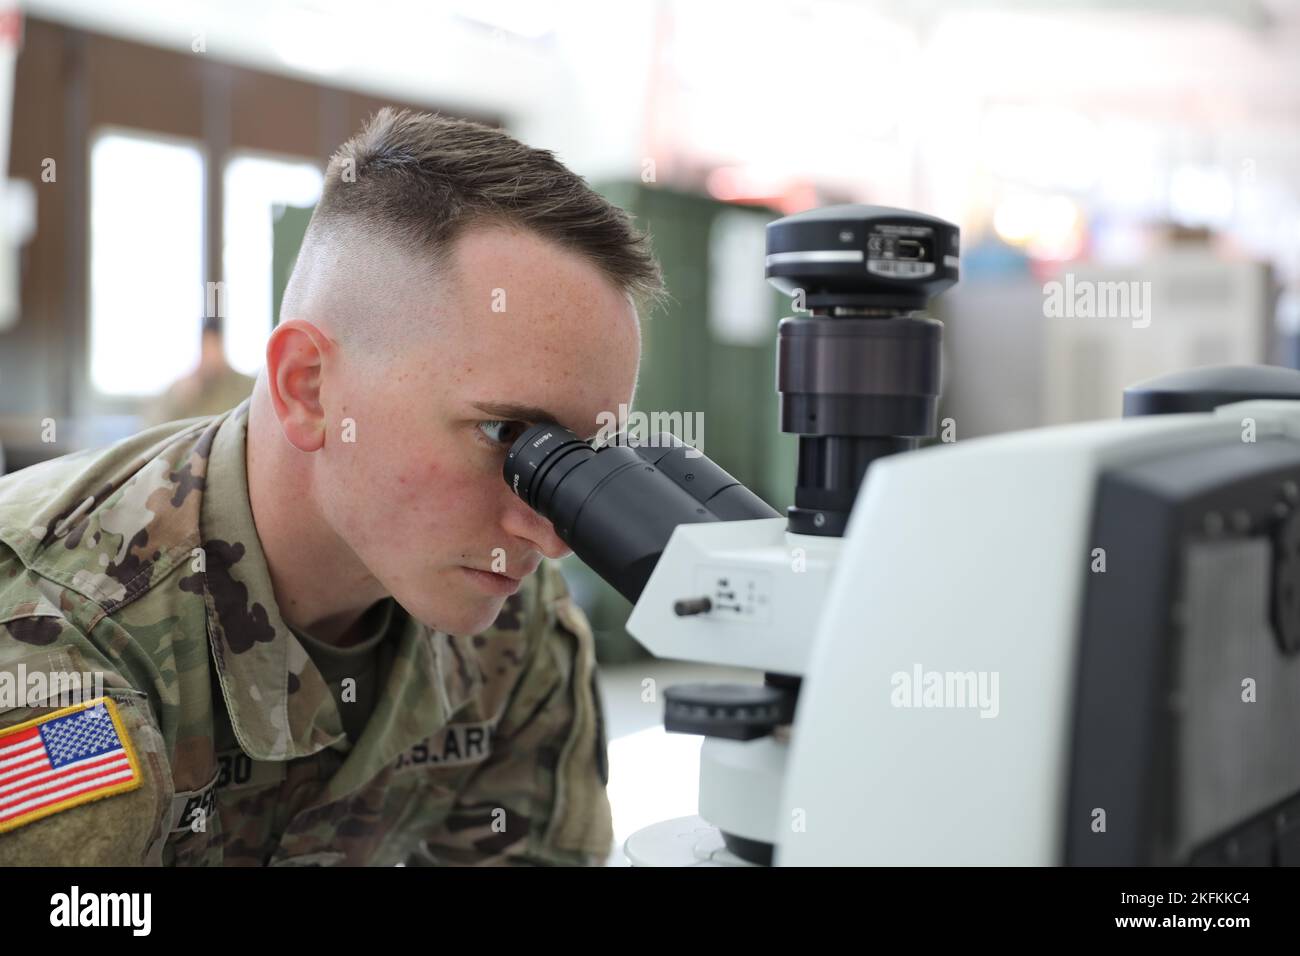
(321,587)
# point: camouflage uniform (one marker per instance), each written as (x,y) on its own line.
(141,561)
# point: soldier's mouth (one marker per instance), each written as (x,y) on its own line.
(492,582)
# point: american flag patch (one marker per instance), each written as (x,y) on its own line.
(63,759)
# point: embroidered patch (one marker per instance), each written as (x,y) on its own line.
(455,745)
(192,809)
(237,770)
(63,759)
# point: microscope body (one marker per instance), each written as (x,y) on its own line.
(760,580)
(1028,649)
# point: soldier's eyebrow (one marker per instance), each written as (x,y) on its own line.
(511,412)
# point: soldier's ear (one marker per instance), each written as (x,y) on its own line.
(295,356)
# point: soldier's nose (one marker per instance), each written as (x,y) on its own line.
(552,545)
(523,522)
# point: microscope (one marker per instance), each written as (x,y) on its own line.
(1070,645)
(716,574)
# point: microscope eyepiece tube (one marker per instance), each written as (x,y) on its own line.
(616,506)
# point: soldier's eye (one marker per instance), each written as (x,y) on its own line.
(502,433)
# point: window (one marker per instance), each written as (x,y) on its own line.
(146,261)
(256,189)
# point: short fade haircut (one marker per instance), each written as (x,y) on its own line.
(422,179)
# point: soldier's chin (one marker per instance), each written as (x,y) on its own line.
(472,618)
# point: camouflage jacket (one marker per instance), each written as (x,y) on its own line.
(140,563)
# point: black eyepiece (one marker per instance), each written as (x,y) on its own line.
(536,451)
(617,505)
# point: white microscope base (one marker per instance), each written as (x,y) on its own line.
(681,841)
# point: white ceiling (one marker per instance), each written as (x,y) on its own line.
(864,93)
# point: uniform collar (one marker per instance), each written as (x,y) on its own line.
(279,704)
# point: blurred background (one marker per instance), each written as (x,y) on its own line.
(163,159)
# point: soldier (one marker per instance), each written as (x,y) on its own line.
(210,388)
(327,632)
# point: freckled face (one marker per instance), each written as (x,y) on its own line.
(419,495)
